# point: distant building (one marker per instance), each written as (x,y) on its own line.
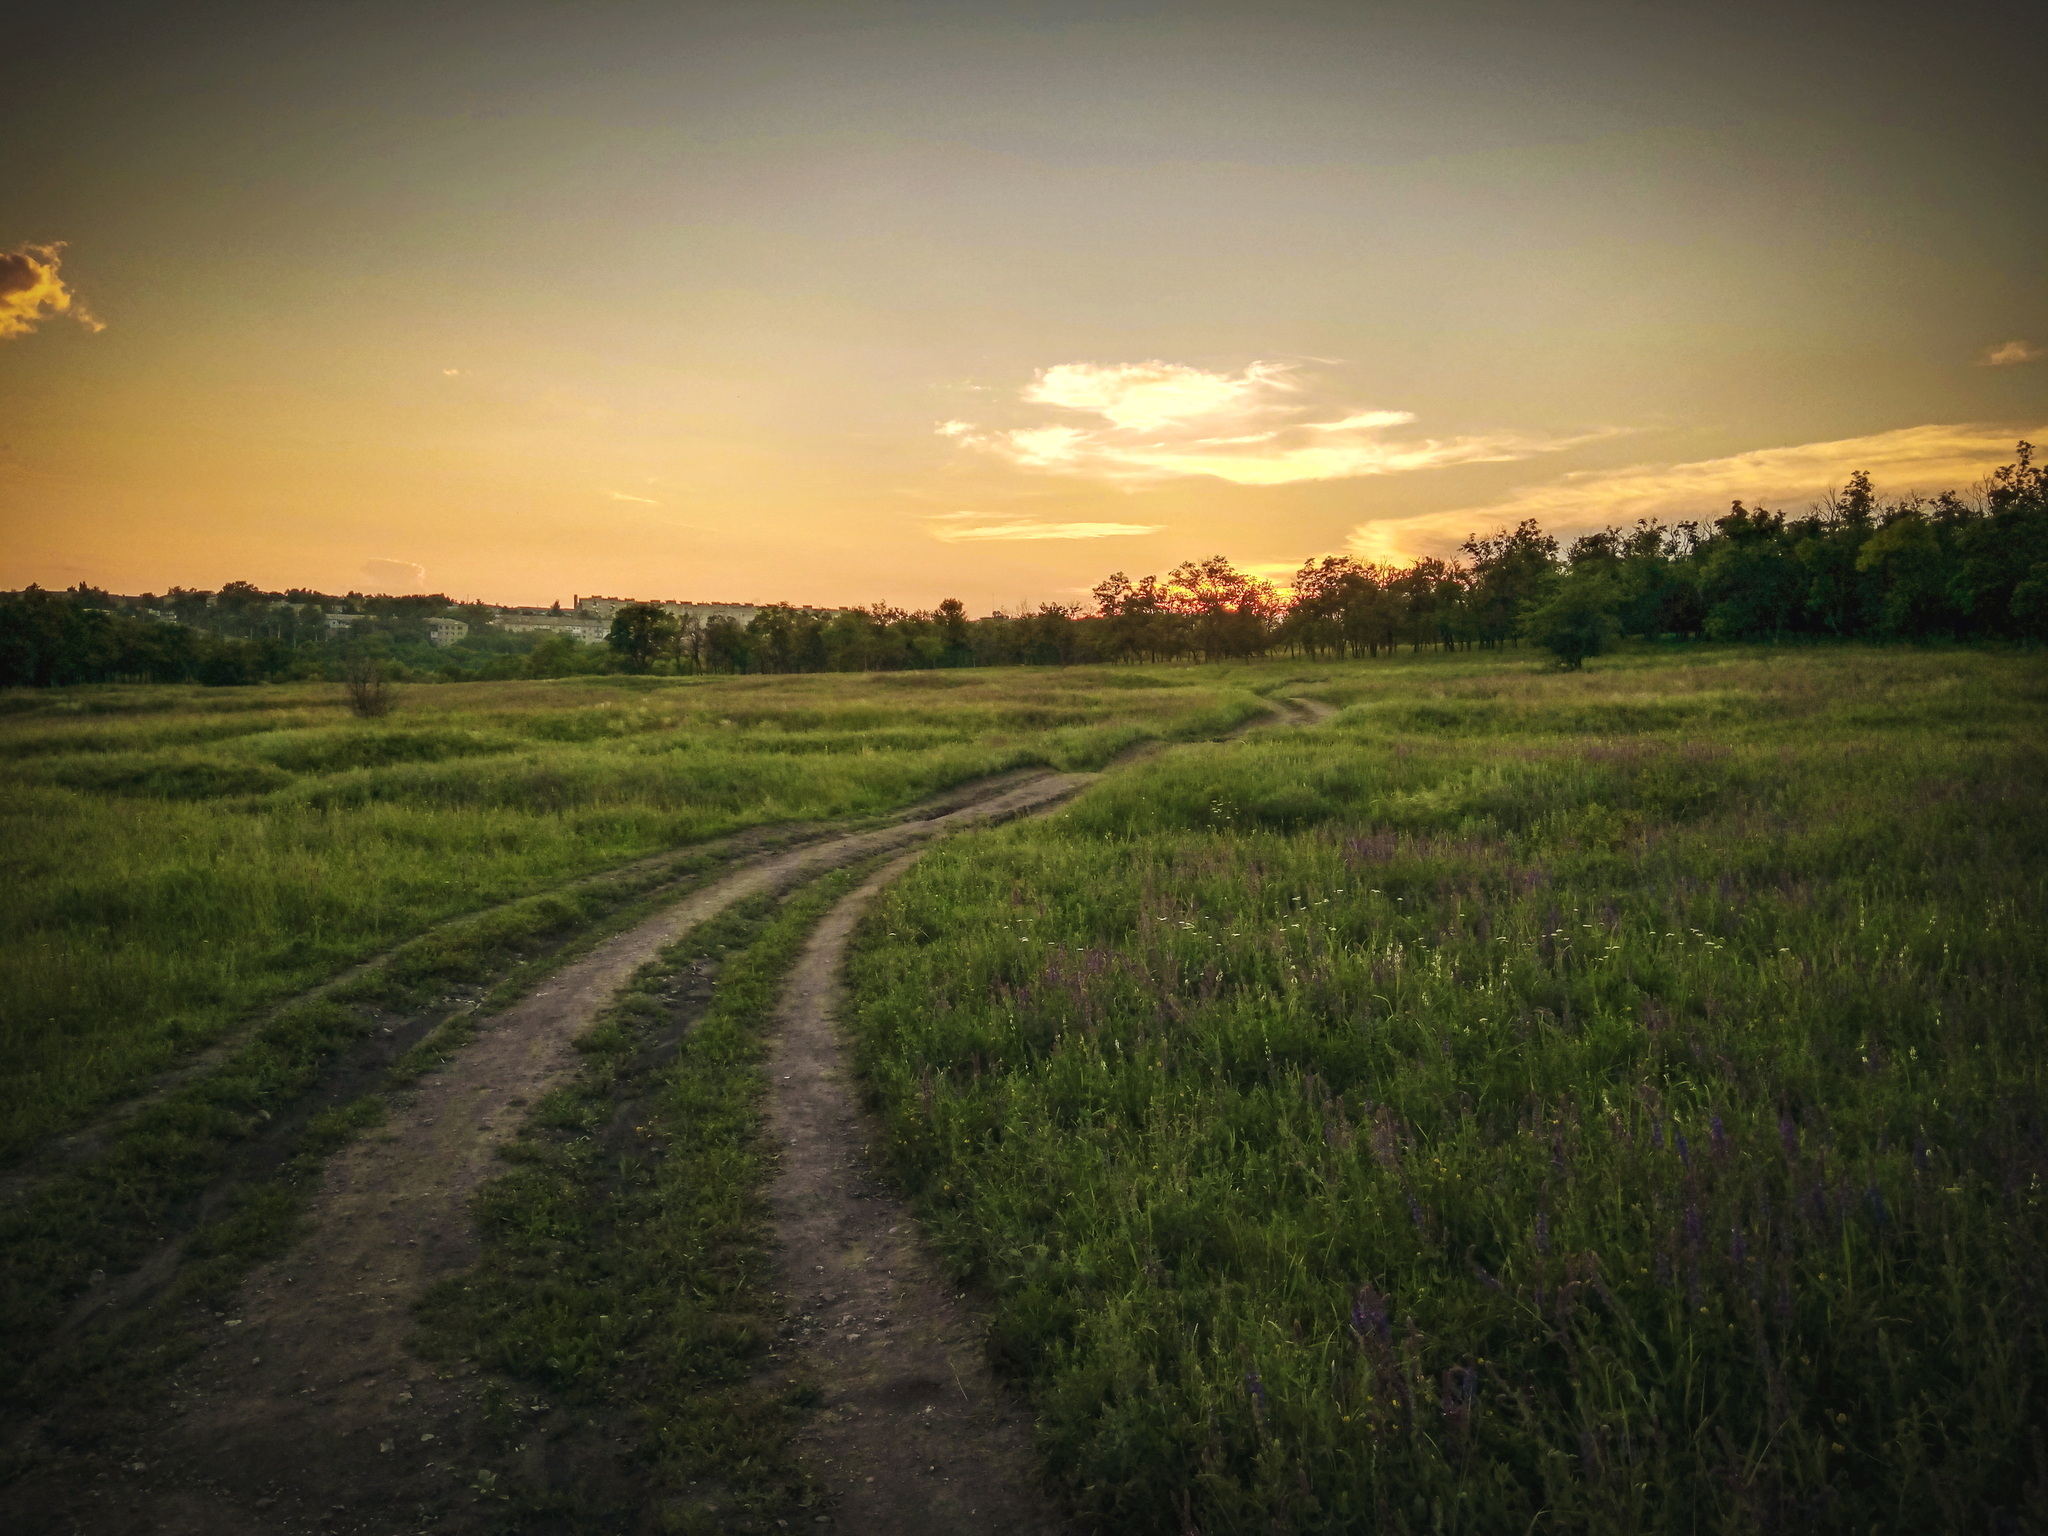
(601,609)
(445,632)
(338,623)
(575,625)
(704,613)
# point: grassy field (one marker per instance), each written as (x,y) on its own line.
(1607,1101)
(176,859)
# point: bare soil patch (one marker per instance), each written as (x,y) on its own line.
(912,1433)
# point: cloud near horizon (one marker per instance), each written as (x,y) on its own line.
(1928,459)
(2010,355)
(958,528)
(31,291)
(396,575)
(1160,420)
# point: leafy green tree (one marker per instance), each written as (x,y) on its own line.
(641,634)
(1577,620)
(1753,586)
(1509,569)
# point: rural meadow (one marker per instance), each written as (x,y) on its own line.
(1438,1091)
(945,768)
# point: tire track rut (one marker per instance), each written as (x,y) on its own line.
(913,1434)
(307,1405)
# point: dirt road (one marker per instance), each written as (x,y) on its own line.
(305,1410)
(913,1434)
(306,1406)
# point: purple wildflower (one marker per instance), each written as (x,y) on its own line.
(1664,1270)
(1656,1133)
(1542,1233)
(1460,1386)
(1788,1133)
(1257,1388)
(1719,1137)
(1878,1213)
(1684,1150)
(1738,1246)
(1692,1225)
(1369,1314)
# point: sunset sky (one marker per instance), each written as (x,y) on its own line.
(834,303)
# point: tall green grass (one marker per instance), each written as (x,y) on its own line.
(176,859)
(1607,1102)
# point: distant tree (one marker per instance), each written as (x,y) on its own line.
(1753,585)
(727,647)
(1577,619)
(1230,613)
(365,685)
(954,633)
(1508,570)
(641,634)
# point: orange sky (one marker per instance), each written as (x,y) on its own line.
(833,304)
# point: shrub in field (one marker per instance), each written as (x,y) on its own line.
(362,680)
(1628,1133)
(1576,620)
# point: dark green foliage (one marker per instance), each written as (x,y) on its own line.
(1576,619)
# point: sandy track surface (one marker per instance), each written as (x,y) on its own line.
(912,1433)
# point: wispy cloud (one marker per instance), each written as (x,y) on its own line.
(1264,425)
(31,290)
(1928,459)
(968,528)
(2010,355)
(645,501)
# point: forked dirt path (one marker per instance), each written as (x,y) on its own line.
(912,1434)
(306,1412)
(307,1408)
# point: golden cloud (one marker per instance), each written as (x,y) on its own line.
(958,528)
(1145,396)
(1927,459)
(1159,420)
(31,291)
(2010,355)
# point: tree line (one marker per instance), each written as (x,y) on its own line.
(1854,566)
(1962,567)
